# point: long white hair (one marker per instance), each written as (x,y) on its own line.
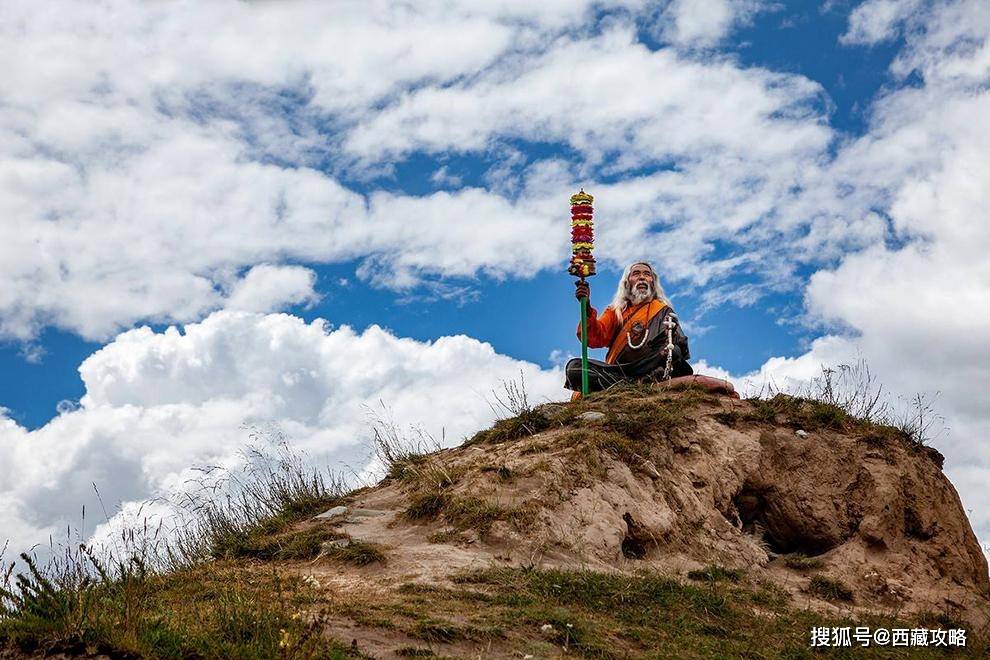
(621,299)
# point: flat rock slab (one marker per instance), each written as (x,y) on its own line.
(332,514)
(592,416)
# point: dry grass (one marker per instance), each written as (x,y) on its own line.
(178,596)
(358,553)
(849,397)
(801,562)
(830,589)
(211,611)
(515,416)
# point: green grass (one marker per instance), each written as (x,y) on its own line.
(212,611)
(604,615)
(727,417)
(716,573)
(468,512)
(642,420)
(798,412)
(414,652)
(446,536)
(224,609)
(402,468)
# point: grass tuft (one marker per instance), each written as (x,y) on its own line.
(527,423)
(716,573)
(849,397)
(830,589)
(802,562)
(516,417)
(213,610)
(446,536)
(639,420)
(358,553)
(503,473)
(468,512)
(414,652)
(426,505)
(440,632)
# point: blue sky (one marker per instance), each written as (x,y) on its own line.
(809,179)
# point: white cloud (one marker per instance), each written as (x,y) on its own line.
(151,150)
(267,288)
(745,142)
(663,106)
(875,21)
(916,303)
(704,23)
(158,403)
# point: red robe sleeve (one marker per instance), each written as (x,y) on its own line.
(600,330)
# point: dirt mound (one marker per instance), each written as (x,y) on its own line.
(636,522)
(793,492)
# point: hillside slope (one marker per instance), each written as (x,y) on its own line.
(638,522)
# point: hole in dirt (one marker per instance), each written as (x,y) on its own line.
(915,528)
(763,513)
(637,540)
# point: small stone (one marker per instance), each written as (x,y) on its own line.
(331,514)
(592,416)
(651,469)
(546,627)
(801,433)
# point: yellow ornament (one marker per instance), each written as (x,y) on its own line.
(581,198)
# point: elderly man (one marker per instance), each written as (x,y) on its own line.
(633,329)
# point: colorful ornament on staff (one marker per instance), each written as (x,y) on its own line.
(582,235)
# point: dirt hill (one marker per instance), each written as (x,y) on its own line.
(638,522)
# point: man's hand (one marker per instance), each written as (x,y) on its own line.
(582,290)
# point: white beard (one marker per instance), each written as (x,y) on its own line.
(639,295)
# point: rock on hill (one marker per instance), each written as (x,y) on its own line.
(636,522)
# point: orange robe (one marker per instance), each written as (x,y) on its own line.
(605,331)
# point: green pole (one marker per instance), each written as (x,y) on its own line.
(584,346)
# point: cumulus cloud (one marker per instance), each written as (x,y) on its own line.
(267,288)
(157,404)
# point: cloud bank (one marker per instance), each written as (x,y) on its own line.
(157,404)
(153,151)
